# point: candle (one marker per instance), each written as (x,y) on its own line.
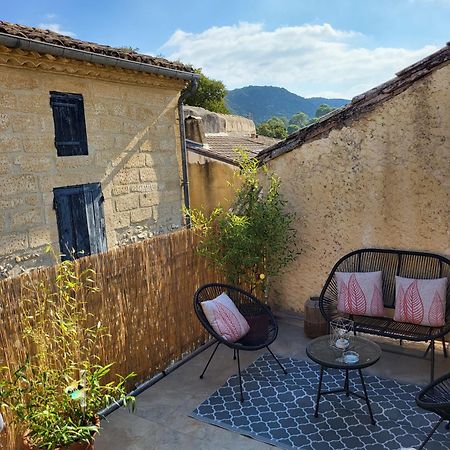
(342,343)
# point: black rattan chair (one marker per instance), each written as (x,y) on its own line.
(435,397)
(263,327)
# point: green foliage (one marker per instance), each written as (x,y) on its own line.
(323,109)
(299,120)
(275,127)
(254,240)
(128,49)
(210,94)
(58,388)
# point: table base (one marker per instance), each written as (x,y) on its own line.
(345,389)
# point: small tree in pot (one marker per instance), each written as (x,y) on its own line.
(253,240)
(54,393)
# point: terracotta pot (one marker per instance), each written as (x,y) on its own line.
(74,446)
(314,325)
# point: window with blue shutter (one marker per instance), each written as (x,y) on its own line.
(70,124)
(80,219)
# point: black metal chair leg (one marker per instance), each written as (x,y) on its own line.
(444,347)
(209,360)
(367,398)
(240,377)
(430,434)
(432,360)
(276,359)
(234,353)
(427,350)
(319,391)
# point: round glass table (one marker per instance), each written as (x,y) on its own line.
(321,352)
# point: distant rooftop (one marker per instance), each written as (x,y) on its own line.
(218,136)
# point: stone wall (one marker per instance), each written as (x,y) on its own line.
(134,151)
(382,181)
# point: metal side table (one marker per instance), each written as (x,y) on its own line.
(320,351)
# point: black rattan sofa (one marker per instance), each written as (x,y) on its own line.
(391,262)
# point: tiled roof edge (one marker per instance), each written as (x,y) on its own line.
(210,154)
(55,40)
(359,105)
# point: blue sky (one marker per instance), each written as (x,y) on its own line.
(312,47)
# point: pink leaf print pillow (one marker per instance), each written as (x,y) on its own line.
(225,318)
(420,301)
(360,293)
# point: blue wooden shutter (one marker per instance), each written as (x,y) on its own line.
(80,219)
(70,124)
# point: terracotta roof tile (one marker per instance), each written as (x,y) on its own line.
(51,37)
(222,146)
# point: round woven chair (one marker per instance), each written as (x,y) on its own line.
(263,327)
(435,397)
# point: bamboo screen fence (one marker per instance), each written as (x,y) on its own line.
(144,299)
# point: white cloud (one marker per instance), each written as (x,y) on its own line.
(310,60)
(56,27)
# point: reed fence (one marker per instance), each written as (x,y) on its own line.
(144,299)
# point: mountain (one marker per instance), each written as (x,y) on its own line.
(263,102)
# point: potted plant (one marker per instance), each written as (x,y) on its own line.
(254,240)
(54,393)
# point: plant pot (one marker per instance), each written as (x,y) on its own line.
(314,324)
(74,446)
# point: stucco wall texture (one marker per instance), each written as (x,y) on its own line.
(383,181)
(211,183)
(134,151)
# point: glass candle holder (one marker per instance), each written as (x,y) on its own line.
(341,335)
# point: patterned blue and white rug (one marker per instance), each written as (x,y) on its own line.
(279,410)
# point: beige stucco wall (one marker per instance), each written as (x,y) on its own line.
(134,151)
(383,181)
(211,182)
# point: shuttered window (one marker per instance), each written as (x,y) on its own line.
(70,124)
(80,219)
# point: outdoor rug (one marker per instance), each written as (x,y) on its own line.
(279,410)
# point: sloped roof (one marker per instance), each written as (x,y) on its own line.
(51,37)
(359,105)
(222,146)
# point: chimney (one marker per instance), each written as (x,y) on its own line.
(195,131)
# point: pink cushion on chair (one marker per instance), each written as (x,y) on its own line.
(360,293)
(420,301)
(225,318)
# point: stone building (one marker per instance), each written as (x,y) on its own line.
(212,140)
(375,173)
(90,148)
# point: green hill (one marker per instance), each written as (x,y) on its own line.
(263,102)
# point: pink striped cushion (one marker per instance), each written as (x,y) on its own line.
(420,301)
(225,318)
(360,293)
